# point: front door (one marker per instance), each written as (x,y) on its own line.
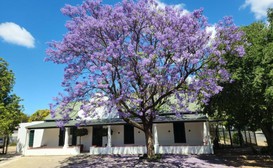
(129,137)
(31,138)
(179,132)
(61,137)
(73,132)
(97,136)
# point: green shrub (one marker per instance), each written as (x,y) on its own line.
(236,138)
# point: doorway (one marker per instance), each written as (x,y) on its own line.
(97,136)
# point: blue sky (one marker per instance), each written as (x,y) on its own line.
(27,25)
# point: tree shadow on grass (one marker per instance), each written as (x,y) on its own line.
(243,160)
(8,156)
(238,157)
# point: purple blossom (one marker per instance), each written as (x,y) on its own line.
(139,57)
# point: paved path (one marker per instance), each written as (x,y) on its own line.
(34,162)
(13,160)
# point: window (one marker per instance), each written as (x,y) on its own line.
(129,134)
(179,132)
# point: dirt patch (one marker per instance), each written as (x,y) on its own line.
(244,157)
(10,154)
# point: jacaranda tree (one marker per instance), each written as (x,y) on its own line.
(138,56)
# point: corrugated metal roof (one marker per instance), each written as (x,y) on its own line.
(76,106)
(119,121)
(72,115)
(51,124)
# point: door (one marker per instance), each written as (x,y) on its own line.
(179,132)
(97,136)
(61,137)
(73,132)
(31,138)
(129,137)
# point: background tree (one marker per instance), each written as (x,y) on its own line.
(138,55)
(39,115)
(24,118)
(10,109)
(248,101)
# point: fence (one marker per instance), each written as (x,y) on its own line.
(223,136)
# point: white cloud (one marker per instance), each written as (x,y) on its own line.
(14,34)
(258,7)
(190,79)
(212,31)
(162,5)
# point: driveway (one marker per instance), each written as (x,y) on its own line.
(13,160)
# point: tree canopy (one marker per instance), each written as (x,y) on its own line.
(39,115)
(10,108)
(248,101)
(138,55)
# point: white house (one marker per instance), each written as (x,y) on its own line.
(188,134)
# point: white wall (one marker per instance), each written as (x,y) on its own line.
(87,139)
(135,150)
(22,136)
(38,137)
(117,136)
(193,131)
(53,151)
(139,137)
(196,150)
(165,134)
(51,137)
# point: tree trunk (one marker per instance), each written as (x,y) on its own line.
(241,140)
(4,145)
(149,137)
(7,144)
(230,138)
(268,133)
